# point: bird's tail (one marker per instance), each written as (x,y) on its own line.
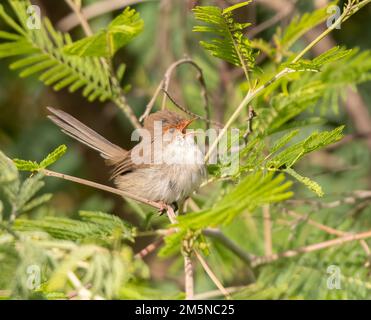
(77,130)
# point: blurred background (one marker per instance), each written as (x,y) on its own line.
(26,133)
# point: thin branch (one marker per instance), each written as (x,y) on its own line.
(247,99)
(212,276)
(149,248)
(249,128)
(164,86)
(81,292)
(216,293)
(94,10)
(327,229)
(80,17)
(256,92)
(356,195)
(310,248)
(190,112)
(234,248)
(95,185)
(188,273)
(267,225)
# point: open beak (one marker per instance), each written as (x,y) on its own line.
(184,125)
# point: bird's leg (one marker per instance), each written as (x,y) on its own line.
(175,206)
(163,207)
(168,209)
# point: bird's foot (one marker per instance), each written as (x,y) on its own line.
(163,207)
(167,208)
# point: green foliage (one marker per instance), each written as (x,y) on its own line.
(288,157)
(95,227)
(93,246)
(230,45)
(332,55)
(300,25)
(253,191)
(90,255)
(106,42)
(27,165)
(20,194)
(312,185)
(41,52)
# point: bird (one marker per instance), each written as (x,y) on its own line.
(169,179)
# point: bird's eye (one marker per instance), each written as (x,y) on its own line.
(171,130)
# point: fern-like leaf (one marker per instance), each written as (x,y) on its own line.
(230,44)
(41,52)
(105,43)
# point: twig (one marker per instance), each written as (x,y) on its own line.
(164,86)
(216,293)
(95,9)
(310,248)
(356,195)
(247,99)
(101,187)
(80,17)
(82,292)
(190,112)
(188,272)
(253,93)
(267,225)
(327,229)
(149,248)
(250,119)
(212,276)
(228,243)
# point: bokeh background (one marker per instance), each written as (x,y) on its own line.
(25,131)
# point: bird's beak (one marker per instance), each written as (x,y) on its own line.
(184,125)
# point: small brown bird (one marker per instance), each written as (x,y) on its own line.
(179,172)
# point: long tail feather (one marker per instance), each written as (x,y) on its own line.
(77,130)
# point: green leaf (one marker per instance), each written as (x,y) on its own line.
(36,202)
(253,191)
(230,43)
(236,6)
(301,25)
(44,50)
(315,65)
(53,156)
(288,157)
(284,140)
(8,170)
(26,165)
(93,226)
(106,42)
(312,185)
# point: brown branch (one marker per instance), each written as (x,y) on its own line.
(217,293)
(356,195)
(149,248)
(80,18)
(310,248)
(328,229)
(233,247)
(95,185)
(188,272)
(267,225)
(250,119)
(96,9)
(212,276)
(164,86)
